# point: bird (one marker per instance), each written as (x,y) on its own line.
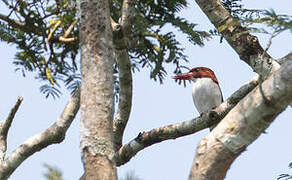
(206,91)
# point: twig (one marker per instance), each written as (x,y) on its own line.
(270,42)
(70,28)
(8,121)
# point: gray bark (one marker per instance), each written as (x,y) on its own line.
(97,98)
(242,125)
(54,134)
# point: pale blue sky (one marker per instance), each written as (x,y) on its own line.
(154,105)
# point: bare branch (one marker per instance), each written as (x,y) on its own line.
(173,131)
(125,74)
(246,45)
(6,2)
(54,134)
(243,125)
(7,123)
(128,16)
(4,128)
(125,97)
(272,35)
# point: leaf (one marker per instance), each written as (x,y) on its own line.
(49,90)
(49,75)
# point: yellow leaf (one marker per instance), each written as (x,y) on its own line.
(156,48)
(49,75)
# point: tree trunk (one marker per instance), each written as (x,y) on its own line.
(95,35)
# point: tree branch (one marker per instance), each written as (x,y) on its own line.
(21,25)
(128,16)
(4,128)
(54,134)
(122,35)
(125,97)
(173,131)
(246,45)
(11,22)
(242,125)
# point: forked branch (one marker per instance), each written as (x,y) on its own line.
(54,134)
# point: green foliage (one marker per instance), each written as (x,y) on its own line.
(273,23)
(53,173)
(258,20)
(46,36)
(155,45)
(38,26)
(35,28)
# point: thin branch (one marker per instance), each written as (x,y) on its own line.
(4,128)
(11,22)
(242,125)
(7,123)
(173,131)
(54,134)
(21,25)
(272,35)
(6,2)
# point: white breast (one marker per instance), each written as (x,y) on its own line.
(206,94)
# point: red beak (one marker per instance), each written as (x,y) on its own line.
(185,76)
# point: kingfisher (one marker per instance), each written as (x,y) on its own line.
(206,90)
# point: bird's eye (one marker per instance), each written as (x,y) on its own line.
(194,70)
